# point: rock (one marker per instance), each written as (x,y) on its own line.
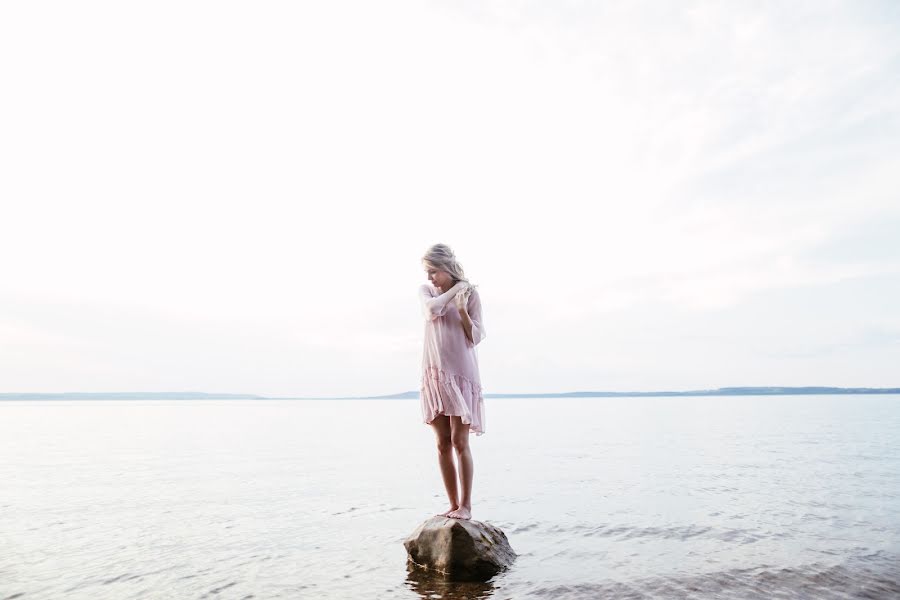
(462,550)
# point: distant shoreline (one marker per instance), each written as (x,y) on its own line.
(729,391)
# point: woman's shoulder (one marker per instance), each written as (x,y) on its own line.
(474,297)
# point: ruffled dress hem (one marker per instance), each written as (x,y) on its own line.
(452,395)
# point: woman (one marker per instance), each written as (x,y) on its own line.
(451,384)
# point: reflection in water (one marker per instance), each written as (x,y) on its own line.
(433,586)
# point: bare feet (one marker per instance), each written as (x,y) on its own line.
(462,512)
(447,512)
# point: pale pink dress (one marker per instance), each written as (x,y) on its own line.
(451,382)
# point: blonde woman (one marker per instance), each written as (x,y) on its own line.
(451,384)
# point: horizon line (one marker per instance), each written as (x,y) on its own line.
(722,391)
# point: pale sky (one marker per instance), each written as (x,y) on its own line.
(235,196)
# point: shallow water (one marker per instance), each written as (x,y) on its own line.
(730,497)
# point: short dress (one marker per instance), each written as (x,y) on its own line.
(451,381)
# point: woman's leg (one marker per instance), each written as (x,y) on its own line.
(459,433)
(441,425)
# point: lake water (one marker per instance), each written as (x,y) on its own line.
(730,497)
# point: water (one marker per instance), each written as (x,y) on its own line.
(736,497)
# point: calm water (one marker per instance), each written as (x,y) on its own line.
(747,497)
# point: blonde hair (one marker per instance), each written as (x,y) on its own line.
(441,257)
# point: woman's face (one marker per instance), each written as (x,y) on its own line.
(440,279)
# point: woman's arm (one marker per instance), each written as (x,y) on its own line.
(471,316)
(467,324)
(436,306)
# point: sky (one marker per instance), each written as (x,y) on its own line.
(236,196)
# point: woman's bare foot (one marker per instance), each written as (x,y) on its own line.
(462,512)
(447,512)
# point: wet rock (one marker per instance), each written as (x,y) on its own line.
(461,550)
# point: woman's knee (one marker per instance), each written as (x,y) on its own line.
(444,445)
(461,442)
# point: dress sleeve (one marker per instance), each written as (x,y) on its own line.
(435,306)
(475,314)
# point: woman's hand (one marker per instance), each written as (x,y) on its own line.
(462,298)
